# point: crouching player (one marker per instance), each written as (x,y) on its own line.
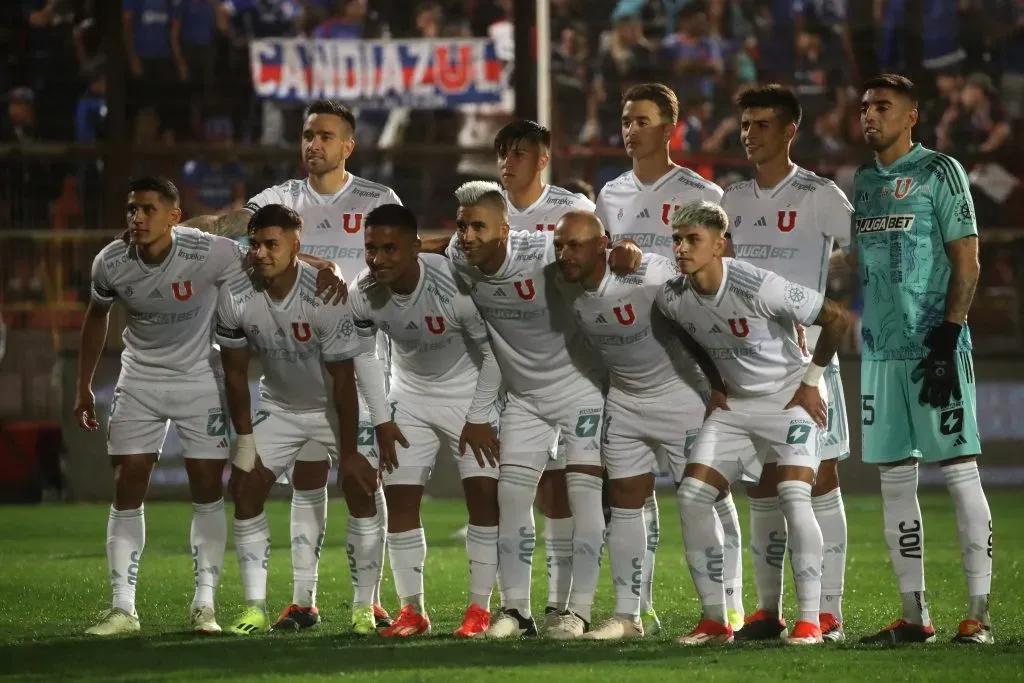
(777,412)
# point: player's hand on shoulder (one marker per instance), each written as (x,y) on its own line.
(624,258)
(811,400)
(355,468)
(388,434)
(331,286)
(716,401)
(483,441)
(85,411)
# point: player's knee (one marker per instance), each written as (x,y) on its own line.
(766,486)
(205,482)
(553,495)
(630,492)
(481,500)
(131,480)
(359,504)
(696,496)
(308,475)
(827,478)
(403,507)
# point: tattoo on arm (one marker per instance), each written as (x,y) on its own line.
(834,321)
(963,280)
(232,225)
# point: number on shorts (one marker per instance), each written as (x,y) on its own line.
(867,408)
(394,408)
(586,425)
(797,434)
(604,428)
(216,425)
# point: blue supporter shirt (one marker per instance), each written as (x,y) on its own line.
(151,27)
(214,183)
(197,21)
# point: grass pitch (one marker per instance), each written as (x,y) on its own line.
(53,582)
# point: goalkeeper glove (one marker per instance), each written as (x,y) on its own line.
(937,372)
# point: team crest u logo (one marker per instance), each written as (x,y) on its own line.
(739,327)
(182,290)
(902,187)
(787,220)
(301,331)
(666,212)
(352,222)
(435,324)
(628,318)
(525,289)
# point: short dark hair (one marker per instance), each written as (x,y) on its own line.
(333,107)
(580,186)
(660,94)
(692,9)
(392,216)
(159,184)
(275,216)
(895,82)
(773,96)
(522,130)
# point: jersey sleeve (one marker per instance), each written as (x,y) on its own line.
(469,318)
(101,291)
(229,330)
(227,258)
(834,215)
(390,197)
(601,209)
(365,327)
(781,299)
(271,195)
(713,193)
(668,300)
(336,332)
(951,200)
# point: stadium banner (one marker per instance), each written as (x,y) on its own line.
(378,74)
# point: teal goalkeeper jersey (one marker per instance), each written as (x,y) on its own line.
(904,214)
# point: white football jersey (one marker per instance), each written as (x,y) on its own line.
(553,203)
(434,333)
(637,212)
(170,305)
(747,326)
(536,341)
(293,338)
(643,354)
(789,229)
(332,225)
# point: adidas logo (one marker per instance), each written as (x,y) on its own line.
(323,225)
(761,222)
(279,333)
(411,326)
(644,214)
(715,329)
(499,292)
(155,294)
(601,319)
(960,441)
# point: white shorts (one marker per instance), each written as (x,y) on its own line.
(284,437)
(432,429)
(529,427)
(836,444)
(139,417)
(737,442)
(645,436)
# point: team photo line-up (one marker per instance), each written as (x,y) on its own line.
(555,346)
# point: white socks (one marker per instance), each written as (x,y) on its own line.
(904,534)
(732,570)
(703,540)
(408,553)
(482,550)
(974,527)
(768,541)
(587,540)
(627,545)
(831,516)
(252,544)
(126,537)
(805,547)
(558,548)
(308,526)
(517,487)
(208,538)
(652,519)
(365,549)
(381,504)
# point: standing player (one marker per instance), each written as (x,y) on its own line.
(745,317)
(299,341)
(333,204)
(554,382)
(653,401)
(637,206)
(444,388)
(167,277)
(917,243)
(787,220)
(523,150)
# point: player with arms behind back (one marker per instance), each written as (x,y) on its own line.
(787,220)
(523,148)
(444,388)
(166,276)
(300,340)
(654,398)
(917,247)
(333,204)
(776,409)
(636,206)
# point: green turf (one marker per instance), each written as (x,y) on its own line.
(53,582)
